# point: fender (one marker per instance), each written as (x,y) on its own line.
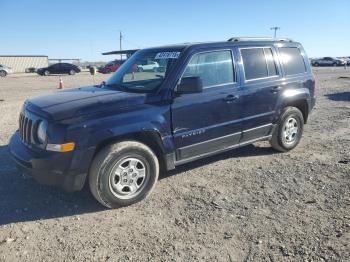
(152,119)
(300,98)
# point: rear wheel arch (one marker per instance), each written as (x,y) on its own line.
(302,105)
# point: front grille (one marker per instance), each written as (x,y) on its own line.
(25,128)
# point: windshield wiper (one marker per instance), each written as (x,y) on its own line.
(103,83)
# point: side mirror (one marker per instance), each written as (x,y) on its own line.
(190,85)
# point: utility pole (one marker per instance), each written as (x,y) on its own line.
(275,28)
(120,44)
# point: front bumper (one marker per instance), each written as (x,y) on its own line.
(66,170)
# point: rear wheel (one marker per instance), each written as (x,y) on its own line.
(3,73)
(289,130)
(123,174)
(140,69)
(72,72)
(316,64)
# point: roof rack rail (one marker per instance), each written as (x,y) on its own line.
(239,39)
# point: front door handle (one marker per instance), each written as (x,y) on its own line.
(230,98)
(275,89)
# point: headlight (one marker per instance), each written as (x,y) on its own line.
(41,133)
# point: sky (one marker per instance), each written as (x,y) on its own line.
(85,29)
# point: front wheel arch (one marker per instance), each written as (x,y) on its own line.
(151,138)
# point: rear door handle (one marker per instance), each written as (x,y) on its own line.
(275,89)
(230,98)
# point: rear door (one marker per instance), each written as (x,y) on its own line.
(54,69)
(208,121)
(65,68)
(328,61)
(261,84)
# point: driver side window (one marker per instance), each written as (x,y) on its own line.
(214,68)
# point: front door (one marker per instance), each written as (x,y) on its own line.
(208,121)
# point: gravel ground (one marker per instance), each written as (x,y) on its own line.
(250,204)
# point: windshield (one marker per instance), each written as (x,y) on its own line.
(143,72)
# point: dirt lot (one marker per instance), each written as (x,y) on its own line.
(250,204)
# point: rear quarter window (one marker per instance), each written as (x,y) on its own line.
(292,60)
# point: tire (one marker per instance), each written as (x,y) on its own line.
(112,176)
(335,64)
(72,72)
(289,130)
(140,69)
(3,73)
(316,64)
(46,73)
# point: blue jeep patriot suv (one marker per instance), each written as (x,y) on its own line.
(197,99)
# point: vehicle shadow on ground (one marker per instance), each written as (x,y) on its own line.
(343,96)
(23,199)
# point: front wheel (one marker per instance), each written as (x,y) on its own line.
(123,174)
(46,73)
(3,73)
(72,72)
(289,130)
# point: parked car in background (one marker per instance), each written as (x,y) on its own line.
(148,66)
(110,67)
(5,70)
(347,59)
(327,61)
(30,70)
(59,68)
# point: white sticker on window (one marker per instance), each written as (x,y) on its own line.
(167,55)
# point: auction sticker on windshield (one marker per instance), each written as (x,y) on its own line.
(167,55)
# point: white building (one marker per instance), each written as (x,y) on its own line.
(19,63)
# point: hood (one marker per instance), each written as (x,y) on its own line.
(81,101)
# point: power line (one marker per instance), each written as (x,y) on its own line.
(120,44)
(275,28)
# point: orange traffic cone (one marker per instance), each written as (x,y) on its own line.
(60,84)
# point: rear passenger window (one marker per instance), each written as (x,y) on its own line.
(270,61)
(254,63)
(214,68)
(292,60)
